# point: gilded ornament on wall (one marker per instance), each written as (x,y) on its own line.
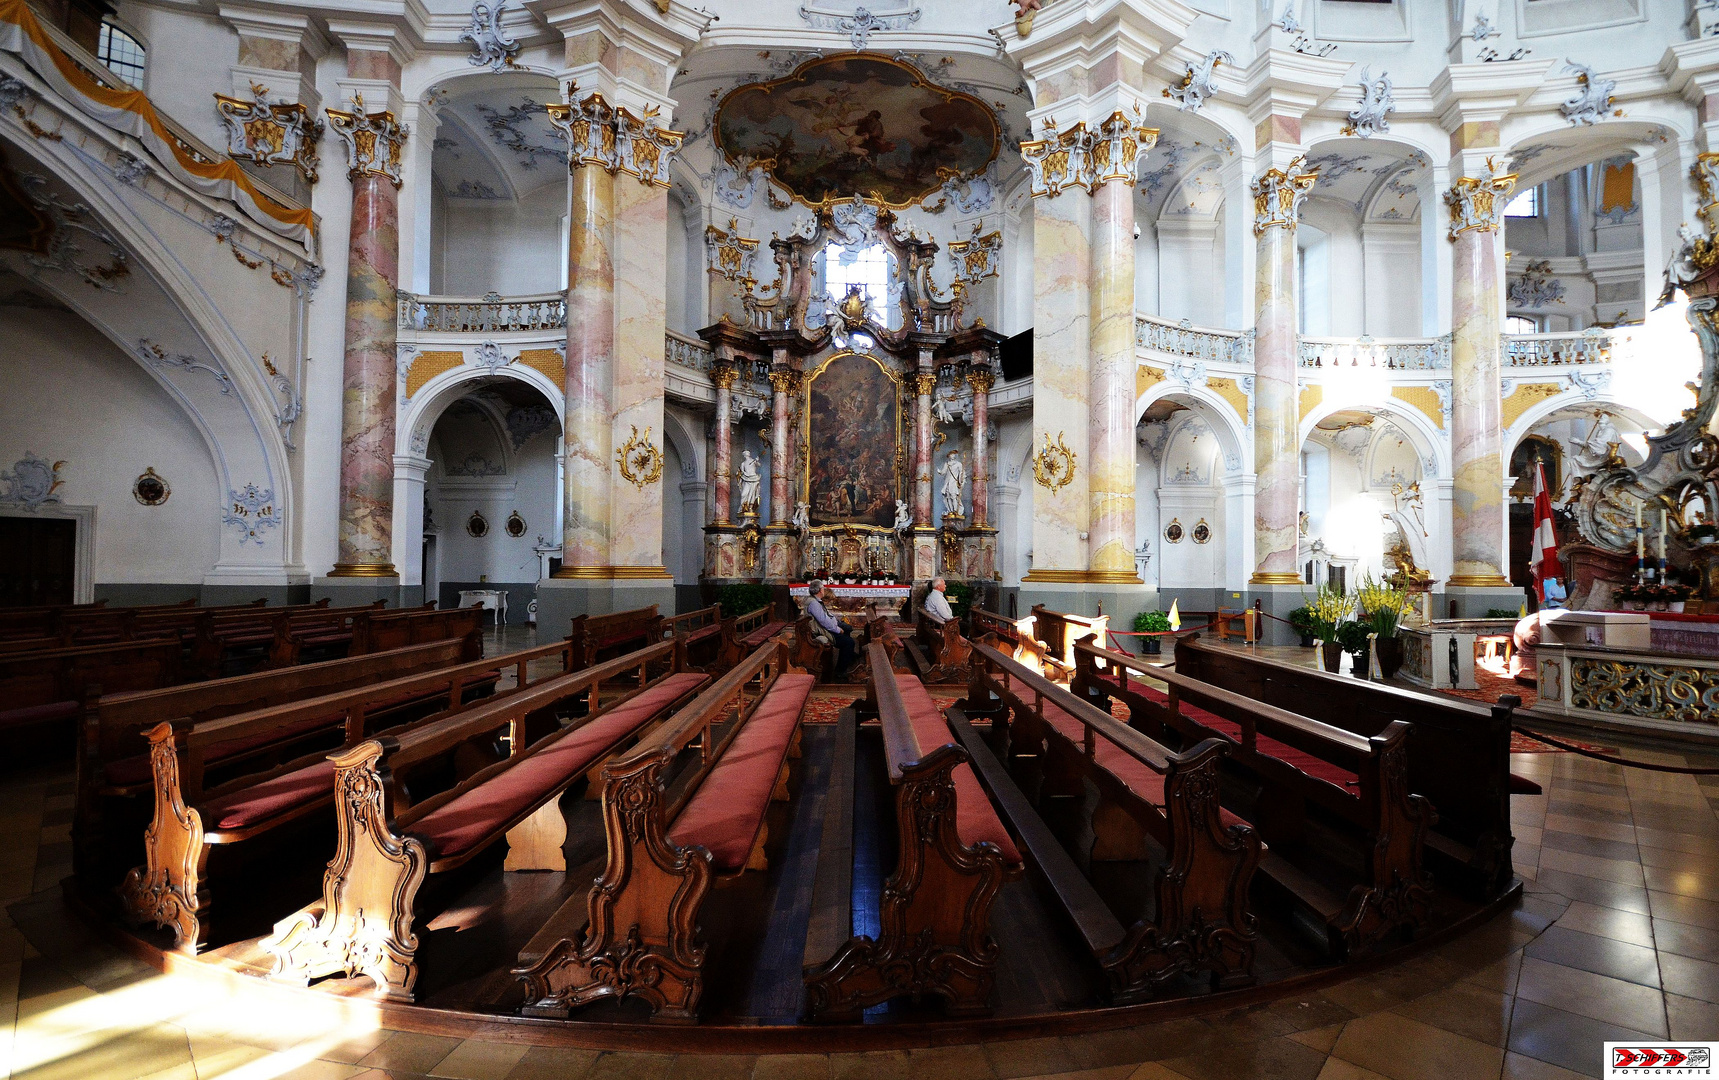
(515,525)
(477,525)
(1277,195)
(1202,532)
(612,138)
(728,254)
(641,461)
(1053,465)
(373,140)
(1173,531)
(271,133)
(1477,202)
(150,489)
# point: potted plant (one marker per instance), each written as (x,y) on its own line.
(1325,611)
(1301,620)
(1352,636)
(1381,609)
(1151,622)
(1646,596)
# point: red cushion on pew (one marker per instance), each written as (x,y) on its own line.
(465,822)
(975,820)
(763,633)
(38,714)
(130,771)
(259,802)
(703,632)
(724,813)
(1139,777)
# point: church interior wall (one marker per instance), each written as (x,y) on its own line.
(510,246)
(96,409)
(182,91)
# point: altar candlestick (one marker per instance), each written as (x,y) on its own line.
(1662,526)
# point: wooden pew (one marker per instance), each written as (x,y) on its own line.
(1058,631)
(1291,764)
(37,620)
(234,643)
(953,854)
(113,764)
(1228,623)
(380,631)
(941,649)
(388,843)
(1201,920)
(50,685)
(1015,637)
(741,635)
(810,654)
(1459,758)
(600,637)
(172,888)
(182,619)
(702,632)
(671,838)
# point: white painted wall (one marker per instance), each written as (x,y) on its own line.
(513,248)
(72,396)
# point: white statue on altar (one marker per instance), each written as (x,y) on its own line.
(802,519)
(903,516)
(940,410)
(954,476)
(750,479)
(1593,451)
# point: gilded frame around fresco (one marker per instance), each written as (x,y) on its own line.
(806,382)
(919,80)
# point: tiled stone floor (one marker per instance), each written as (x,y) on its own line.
(1616,938)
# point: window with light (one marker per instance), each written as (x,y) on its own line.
(1525,205)
(868,268)
(1521,324)
(121,53)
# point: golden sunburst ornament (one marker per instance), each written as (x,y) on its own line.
(1053,466)
(641,461)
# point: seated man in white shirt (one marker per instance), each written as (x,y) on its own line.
(936,604)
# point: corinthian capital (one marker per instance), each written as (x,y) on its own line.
(610,137)
(1277,195)
(1086,157)
(373,140)
(1477,202)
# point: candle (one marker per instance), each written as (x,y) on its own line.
(1662,536)
(1638,515)
(1640,543)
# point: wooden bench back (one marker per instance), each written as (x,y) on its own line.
(384,630)
(591,633)
(683,624)
(195,743)
(114,723)
(68,673)
(1459,755)
(1058,631)
(183,619)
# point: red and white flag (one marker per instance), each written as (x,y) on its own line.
(1543,549)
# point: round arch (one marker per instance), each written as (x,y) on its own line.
(1430,441)
(1573,398)
(423,409)
(1230,429)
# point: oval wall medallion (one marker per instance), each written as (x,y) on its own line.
(1173,531)
(477,524)
(515,525)
(150,489)
(1202,532)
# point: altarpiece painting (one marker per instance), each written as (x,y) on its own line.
(853,414)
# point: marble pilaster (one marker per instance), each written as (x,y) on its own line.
(588,445)
(722,459)
(1111,388)
(636,383)
(784,384)
(373,142)
(1061,315)
(981,380)
(923,383)
(1277,437)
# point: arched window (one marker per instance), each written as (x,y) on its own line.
(868,268)
(1521,324)
(122,53)
(1526,204)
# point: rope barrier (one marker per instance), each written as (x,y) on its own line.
(1687,770)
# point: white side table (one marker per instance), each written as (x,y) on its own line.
(492,599)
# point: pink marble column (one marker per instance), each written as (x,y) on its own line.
(1111,388)
(783,384)
(1277,416)
(368,379)
(1476,436)
(981,379)
(590,356)
(923,383)
(722,461)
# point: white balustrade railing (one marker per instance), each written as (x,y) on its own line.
(491,314)
(1592,346)
(688,352)
(1199,342)
(1392,354)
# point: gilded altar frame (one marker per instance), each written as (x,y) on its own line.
(811,377)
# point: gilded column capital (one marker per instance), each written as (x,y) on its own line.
(981,380)
(271,133)
(373,140)
(1277,195)
(1477,202)
(612,138)
(1706,174)
(923,383)
(723,377)
(785,382)
(1085,157)
(727,253)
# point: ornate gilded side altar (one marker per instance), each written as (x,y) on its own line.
(851,414)
(1675,492)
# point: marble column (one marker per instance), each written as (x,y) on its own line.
(783,384)
(722,460)
(1277,416)
(374,142)
(923,383)
(588,432)
(1477,437)
(1111,389)
(981,380)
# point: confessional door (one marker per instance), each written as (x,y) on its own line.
(38,560)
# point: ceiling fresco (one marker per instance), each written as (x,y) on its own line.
(857,125)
